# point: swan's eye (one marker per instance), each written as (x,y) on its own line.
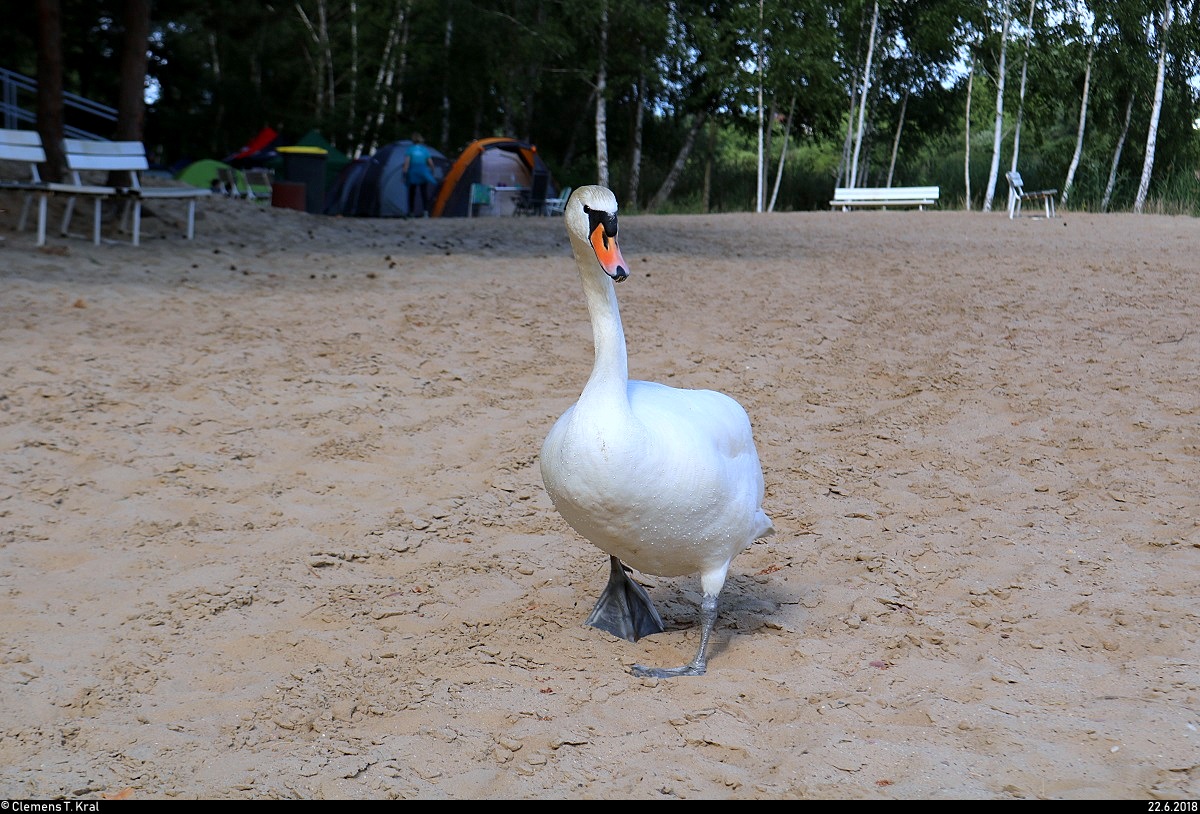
(606,219)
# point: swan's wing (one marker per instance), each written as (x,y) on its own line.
(695,416)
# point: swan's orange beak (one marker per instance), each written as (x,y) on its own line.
(609,253)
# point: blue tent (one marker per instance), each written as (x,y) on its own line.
(375,187)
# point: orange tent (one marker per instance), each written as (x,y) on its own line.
(496,161)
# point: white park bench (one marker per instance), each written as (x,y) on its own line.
(128,157)
(24,147)
(1020,195)
(846,198)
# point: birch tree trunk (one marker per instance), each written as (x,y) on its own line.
(998,133)
(668,184)
(323,60)
(385,77)
(1155,111)
(896,140)
(760,175)
(1083,106)
(1116,159)
(447,40)
(352,115)
(1021,100)
(601,92)
(639,119)
(787,133)
(709,152)
(967,145)
(862,102)
(848,142)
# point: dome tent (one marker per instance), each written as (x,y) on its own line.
(375,187)
(202,173)
(497,161)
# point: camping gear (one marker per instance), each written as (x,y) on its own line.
(505,164)
(375,187)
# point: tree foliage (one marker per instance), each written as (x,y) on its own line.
(682,83)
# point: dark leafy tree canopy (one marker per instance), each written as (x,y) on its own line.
(367,72)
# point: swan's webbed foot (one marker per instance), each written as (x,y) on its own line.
(697,666)
(689,669)
(625,609)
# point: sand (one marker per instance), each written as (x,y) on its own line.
(272,524)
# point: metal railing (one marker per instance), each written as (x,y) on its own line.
(79,110)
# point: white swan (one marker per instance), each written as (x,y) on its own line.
(663,479)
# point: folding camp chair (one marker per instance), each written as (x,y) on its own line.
(481,195)
(556,206)
(532,201)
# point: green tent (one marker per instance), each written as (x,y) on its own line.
(202,173)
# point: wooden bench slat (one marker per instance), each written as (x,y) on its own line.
(20,152)
(848,197)
(104,163)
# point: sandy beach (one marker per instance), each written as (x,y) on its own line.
(272,523)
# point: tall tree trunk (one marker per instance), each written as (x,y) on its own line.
(327,55)
(787,134)
(131,93)
(381,91)
(1083,106)
(896,140)
(1116,159)
(447,39)
(848,142)
(772,113)
(1021,98)
(862,102)
(709,155)
(402,63)
(639,118)
(352,113)
(668,184)
(322,59)
(759,176)
(1155,111)
(50,86)
(967,142)
(601,101)
(998,134)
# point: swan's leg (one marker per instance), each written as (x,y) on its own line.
(711,583)
(624,609)
(697,666)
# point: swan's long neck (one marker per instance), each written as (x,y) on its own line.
(610,372)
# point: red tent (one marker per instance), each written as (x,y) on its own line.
(257,150)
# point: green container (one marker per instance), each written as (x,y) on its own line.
(306,165)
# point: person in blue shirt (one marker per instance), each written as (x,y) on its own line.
(418,174)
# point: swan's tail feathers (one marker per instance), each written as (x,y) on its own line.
(625,609)
(766,527)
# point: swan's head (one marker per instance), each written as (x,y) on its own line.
(591,218)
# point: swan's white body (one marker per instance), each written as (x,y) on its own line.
(664,479)
(667,480)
